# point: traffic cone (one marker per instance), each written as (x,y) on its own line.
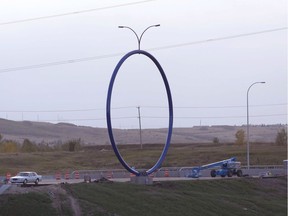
(67,175)
(109,175)
(8,176)
(166,174)
(76,175)
(58,176)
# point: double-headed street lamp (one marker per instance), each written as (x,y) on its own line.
(139,38)
(248,144)
(139,42)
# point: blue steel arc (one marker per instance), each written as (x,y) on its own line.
(108,114)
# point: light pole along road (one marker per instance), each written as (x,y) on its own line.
(248,143)
(139,43)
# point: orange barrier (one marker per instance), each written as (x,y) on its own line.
(166,174)
(67,176)
(109,175)
(76,175)
(8,176)
(58,176)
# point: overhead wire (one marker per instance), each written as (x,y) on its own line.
(92,58)
(218,39)
(64,62)
(211,117)
(132,107)
(158,117)
(73,13)
(49,64)
(214,107)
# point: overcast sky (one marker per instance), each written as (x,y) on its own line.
(57,58)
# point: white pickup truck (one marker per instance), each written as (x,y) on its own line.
(26,177)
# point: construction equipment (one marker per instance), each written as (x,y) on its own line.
(222,168)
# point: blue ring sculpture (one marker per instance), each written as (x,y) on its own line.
(108,114)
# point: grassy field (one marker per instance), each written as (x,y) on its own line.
(243,197)
(26,204)
(98,157)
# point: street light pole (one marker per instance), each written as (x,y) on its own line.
(248,143)
(139,38)
(139,43)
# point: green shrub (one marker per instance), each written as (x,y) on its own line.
(28,146)
(281,138)
(240,137)
(8,146)
(72,145)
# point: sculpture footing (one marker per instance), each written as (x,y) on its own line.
(144,180)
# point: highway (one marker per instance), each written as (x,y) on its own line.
(46,182)
(163,174)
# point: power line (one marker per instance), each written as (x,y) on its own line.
(84,59)
(215,107)
(209,117)
(225,117)
(65,110)
(49,64)
(73,13)
(159,117)
(219,39)
(133,107)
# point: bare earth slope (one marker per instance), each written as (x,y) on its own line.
(52,133)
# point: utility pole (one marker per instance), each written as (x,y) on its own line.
(140,130)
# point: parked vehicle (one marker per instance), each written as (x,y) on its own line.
(26,177)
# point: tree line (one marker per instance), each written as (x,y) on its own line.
(11,146)
(280,140)
(240,138)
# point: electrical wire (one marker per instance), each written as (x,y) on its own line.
(49,64)
(132,107)
(215,107)
(159,117)
(92,58)
(211,117)
(219,39)
(73,13)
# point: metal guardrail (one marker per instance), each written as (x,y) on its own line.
(165,171)
(264,167)
(162,172)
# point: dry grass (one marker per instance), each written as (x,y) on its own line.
(237,197)
(98,157)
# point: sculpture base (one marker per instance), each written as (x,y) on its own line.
(144,180)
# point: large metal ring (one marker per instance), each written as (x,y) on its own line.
(108,114)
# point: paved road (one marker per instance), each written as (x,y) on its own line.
(123,176)
(74,181)
(45,182)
